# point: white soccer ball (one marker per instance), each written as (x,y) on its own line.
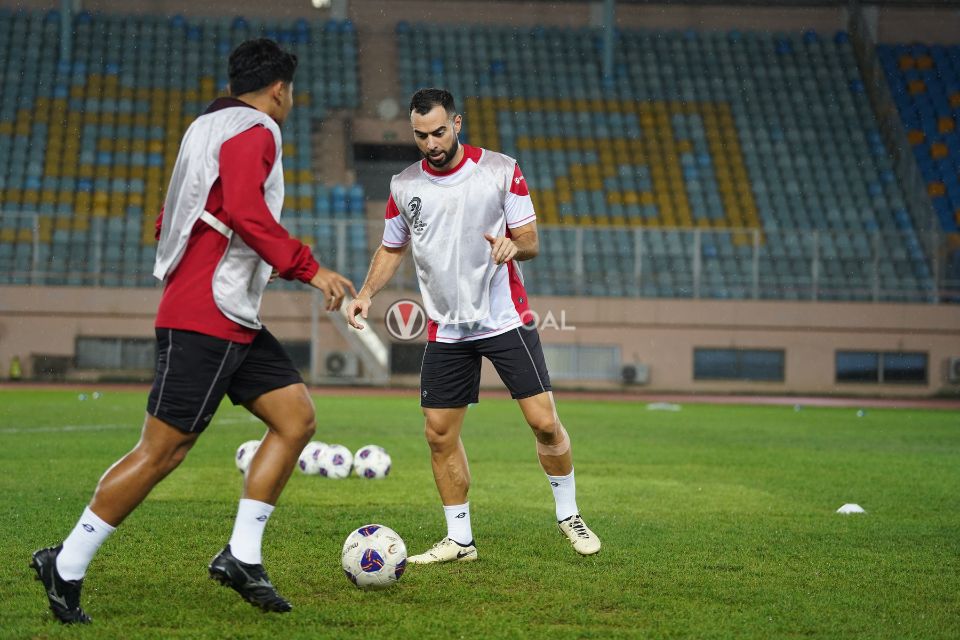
(371,461)
(245,453)
(309,462)
(374,557)
(335,461)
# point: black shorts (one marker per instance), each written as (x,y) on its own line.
(194,372)
(450,374)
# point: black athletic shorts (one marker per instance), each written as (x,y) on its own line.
(194,371)
(450,374)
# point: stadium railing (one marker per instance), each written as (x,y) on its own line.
(739,264)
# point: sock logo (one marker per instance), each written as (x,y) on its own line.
(554,484)
(462,514)
(88,528)
(262,518)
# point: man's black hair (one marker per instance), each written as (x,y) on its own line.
(257,64)
(424,100)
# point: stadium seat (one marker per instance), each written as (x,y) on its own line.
(87,145)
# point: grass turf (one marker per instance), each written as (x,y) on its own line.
(717,522)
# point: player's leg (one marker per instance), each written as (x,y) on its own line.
(518,358)
(191,374)
(270,387)
(449,381)
(289,415)
(124,486)
(451,471)
(161,449)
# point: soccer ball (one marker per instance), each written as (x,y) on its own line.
(245,453)
(371,461)
(334,461)
(309,458)
(374,557)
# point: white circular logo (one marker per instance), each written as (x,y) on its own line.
(405,320)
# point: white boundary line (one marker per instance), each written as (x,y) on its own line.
(68,428)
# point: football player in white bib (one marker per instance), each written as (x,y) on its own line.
(468,217)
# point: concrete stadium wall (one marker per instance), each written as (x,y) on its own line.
(659,333)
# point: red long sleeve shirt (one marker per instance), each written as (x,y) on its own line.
(236,199)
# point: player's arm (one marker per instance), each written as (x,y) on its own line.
(522,244)
(386,260)
(245,162)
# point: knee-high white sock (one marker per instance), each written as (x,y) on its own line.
(245,543)
(458,523)
(564,494)
(81,545)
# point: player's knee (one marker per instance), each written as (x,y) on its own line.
(438,437)
(553,442)
(298,426)
(161,460)
(308,425)
(179,455)
(546,429)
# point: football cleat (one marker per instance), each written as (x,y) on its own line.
(447,550)
(249,580)
(584,541)
(63,595)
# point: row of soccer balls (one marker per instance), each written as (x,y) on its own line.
(329,460)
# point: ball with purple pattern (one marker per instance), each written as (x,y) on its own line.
(334,461)
(245,453)
(372,462)
(374,557)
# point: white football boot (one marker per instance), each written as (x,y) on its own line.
(447,550)
(584,541)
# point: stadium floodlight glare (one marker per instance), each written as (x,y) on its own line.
(321,4)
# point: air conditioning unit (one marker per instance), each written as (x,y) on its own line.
(341,364)
(635,373)
(953,370)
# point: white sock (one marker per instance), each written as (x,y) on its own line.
(565,495)
(252,516)
(458,523)
(81,545)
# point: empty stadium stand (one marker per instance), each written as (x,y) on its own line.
(87,144)
(925,84)
(764,143)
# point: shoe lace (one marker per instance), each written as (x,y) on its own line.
(579,528)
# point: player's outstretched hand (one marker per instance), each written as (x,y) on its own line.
(359,305)
(334,287)
(502,248)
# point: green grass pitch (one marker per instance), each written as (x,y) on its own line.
(717,522)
